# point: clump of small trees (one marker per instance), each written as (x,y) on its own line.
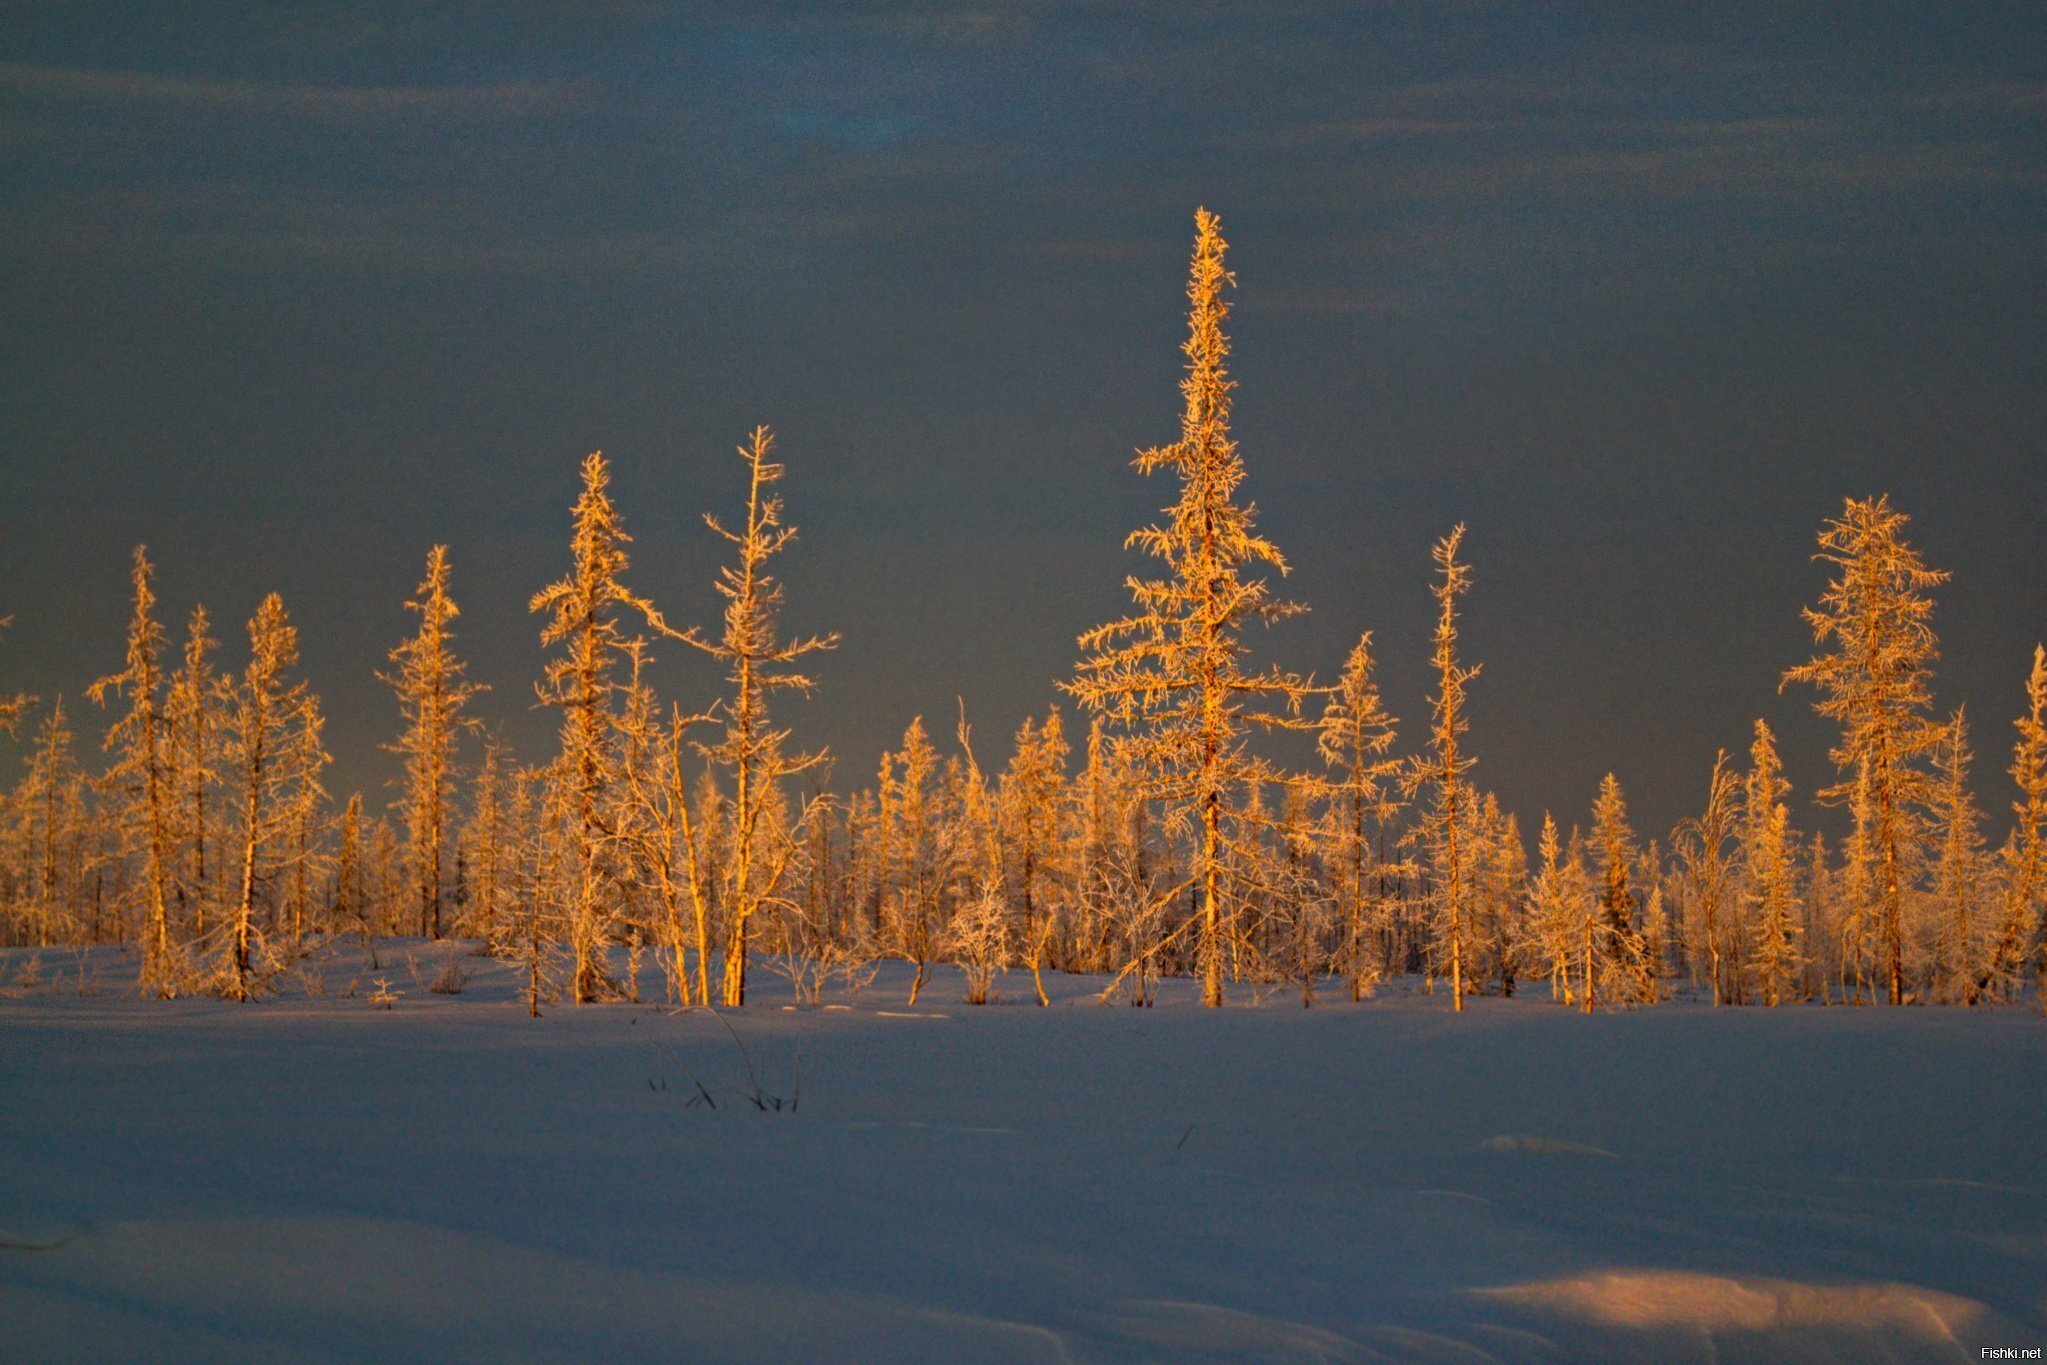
(1169,839)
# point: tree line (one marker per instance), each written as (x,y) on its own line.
(1143,833)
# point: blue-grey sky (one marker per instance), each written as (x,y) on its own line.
(1639,292)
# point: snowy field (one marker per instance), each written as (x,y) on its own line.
(315,1179)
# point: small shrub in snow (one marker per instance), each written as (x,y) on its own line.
(383,997)
(451,979)
(978,940)
(813,960)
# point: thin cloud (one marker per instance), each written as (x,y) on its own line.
(1362,130)
(90,85)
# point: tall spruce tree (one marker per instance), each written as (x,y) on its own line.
(1355,734)
(192,711)
(51,800)
(1876,683)
(1174,674)
(139,777)
(1768,849)
(1958,872)
(431,694)
(1033,791)
(2025,853)
(1444,832)
(586,618)
(266,756)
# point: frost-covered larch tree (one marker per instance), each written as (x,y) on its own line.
(540,809)
(584,617)
(1620,944)
(978,936)
(1820,931)
(488,842)
(667,853)
(1709,859)
(1958,870)
(1444,832)
(309,861)
(1504,877)
(1588,921)
(139,775)
(1174,674)
(1876,684)
(1655,924)
(1355,733)
(192,712)
(2025,853)
(1552,913)
(913,870)
(51,802)
(431,694)
(350,908)
(1109,873)
(264,715)
(1768,848)
(1032,794)
(752,751)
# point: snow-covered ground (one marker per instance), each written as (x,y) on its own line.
(318,1179)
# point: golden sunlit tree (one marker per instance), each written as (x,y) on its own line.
(2025,853)
(486,844)
(1768,850)
(1959,869)
(1502,867)
(192,710)
(268,752)
(1355,734)
(757,853)
(913,862)
(350,904)
(1656,928)
(305,858)
(1033,791)
(431,694)
(1444,832)
(1709,859)
(584,614)
(1875,684)
(1174,674)
(1553,914)
(139,776)
(1620,942)
(978,936)
(1588,922)
(657,831)
(51,801)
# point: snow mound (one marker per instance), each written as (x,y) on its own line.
(343,1287)
(1205,1329)
(38,1234)
(1759,1317)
